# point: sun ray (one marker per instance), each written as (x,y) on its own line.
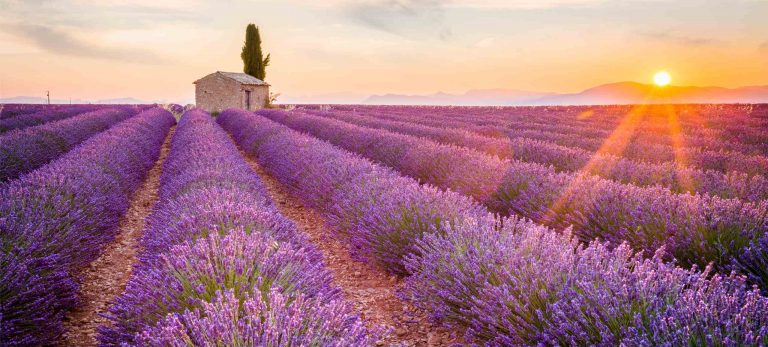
(615,144)
(678,143)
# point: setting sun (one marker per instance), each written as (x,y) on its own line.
(662,78)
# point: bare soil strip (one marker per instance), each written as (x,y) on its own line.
(106,277)
(370,289)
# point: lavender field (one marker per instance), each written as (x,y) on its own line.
(353,225)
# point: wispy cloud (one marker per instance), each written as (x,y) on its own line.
(683,40)
(483,4)
(62,42)
(401,17)
(523,4)
(97,14)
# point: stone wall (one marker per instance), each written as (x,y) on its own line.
(216,93)
(259,97)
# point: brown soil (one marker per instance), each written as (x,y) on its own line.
(106,277)
(368,288)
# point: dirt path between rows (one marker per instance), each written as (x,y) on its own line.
(105,278)
(370,289)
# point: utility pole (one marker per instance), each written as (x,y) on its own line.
(48,94)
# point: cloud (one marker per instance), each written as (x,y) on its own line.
(683,40)
(103,14)
(401,17)
(61,42)
(523,4)
(479,4)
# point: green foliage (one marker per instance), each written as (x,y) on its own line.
(272,99)
(254,62)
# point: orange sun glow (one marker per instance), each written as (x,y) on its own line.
(662,78)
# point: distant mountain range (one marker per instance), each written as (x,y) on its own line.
(613,93)
(475,97)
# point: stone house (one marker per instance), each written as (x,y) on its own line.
(222,90)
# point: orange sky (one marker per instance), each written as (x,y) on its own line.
(93,50)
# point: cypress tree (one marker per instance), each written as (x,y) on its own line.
(254,62)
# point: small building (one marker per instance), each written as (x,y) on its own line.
(222,90)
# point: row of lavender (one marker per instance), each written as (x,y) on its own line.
(722,161)
(24,150)
(697,125)
(668,174)
(622,143)
(510,282)
(694,229)
(42,117)
(56,219)
(668,137)
(221,266)
(13,110)
(694,118)
(704,125)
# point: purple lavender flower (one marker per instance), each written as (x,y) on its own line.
(190,274)
(516,283)
(269,319)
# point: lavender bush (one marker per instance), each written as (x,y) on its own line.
(271,319)
(191,274)
(24,150)
(34,293)
(57,218)
(216,246)
(176,109)
(522,284)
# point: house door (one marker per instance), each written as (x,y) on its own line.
(248,100)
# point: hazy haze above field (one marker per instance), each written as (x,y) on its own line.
(346,50)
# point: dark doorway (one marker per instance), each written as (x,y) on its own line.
(248,100)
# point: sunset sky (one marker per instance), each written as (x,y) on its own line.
(153,49)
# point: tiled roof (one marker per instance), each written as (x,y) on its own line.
(241,78)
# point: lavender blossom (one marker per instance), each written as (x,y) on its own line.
(269,319)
